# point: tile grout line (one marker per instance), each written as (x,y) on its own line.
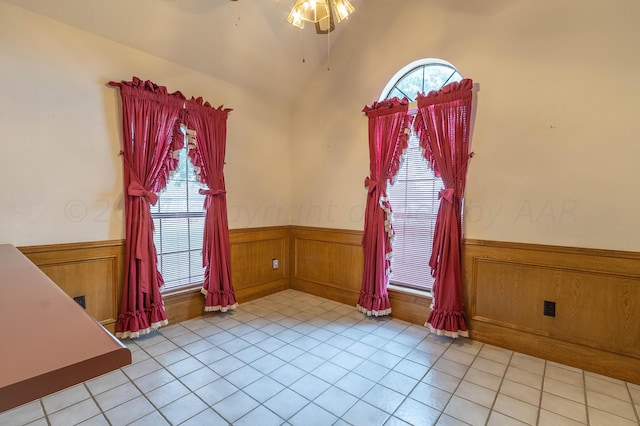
(164,367)
(391,369)
(358,399)
(261,404)
(95,401)
(544,378)
(268,353)
(288,387)
(209,406)
(364,359)
(144,394)
(429,368)
(502,378)
(44,411)
(586,406)
(586,397)
(633,404)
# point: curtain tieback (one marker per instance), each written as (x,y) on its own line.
(137,190)
(447,194)
(370,184)
(210,193)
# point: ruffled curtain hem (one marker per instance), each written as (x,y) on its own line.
(135,334)
(452,334)
(374,305)
(374,312)
(220,308)
(138,323)
(219,300)
(450,324)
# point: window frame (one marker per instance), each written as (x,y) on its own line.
(196,280)
(409,68)
(392,86)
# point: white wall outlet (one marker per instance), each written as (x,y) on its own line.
(274,263)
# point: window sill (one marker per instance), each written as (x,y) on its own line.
(411,291)
(185,291)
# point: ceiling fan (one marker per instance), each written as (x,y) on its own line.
(319,12)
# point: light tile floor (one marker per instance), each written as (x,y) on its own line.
(293,358)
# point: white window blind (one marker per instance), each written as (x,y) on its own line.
(414,200)
(178,218)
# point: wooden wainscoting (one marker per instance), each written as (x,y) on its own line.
(94,270)
(596,295)
(252,252)
(329,263)
(320,261)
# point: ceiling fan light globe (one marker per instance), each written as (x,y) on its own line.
(310,10)
(342,9)
(295,19)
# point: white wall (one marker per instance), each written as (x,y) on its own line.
(61,174)
(556,136)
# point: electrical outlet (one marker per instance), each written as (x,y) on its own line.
(81,301)
(549,308)
(274,263)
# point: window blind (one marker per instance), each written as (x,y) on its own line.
(178,219)
(414,201)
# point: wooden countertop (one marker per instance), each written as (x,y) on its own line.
(47,341)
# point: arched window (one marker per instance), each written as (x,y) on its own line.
(414,193)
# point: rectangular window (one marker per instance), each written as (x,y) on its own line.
(178,218)
(414,201)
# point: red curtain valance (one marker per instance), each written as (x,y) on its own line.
(455,95)
(386,106)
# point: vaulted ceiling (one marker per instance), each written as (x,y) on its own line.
(246,42)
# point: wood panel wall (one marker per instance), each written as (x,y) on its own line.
(93,270)
(329,263)
(96,270)
(597,301)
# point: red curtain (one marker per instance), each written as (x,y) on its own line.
(389,123)
(443,123)
(207,154)
(151,133)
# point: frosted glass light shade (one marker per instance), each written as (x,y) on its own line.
(308,10)
(342,9)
